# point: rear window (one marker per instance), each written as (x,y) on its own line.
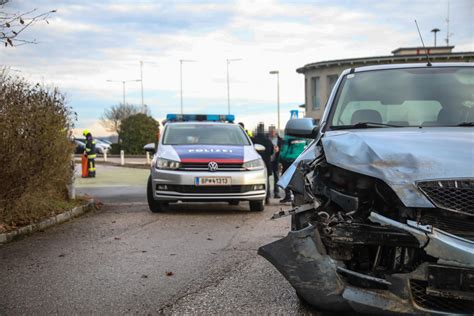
(204,134)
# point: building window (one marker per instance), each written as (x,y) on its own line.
(331,82)
(315,93)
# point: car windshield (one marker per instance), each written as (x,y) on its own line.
(442,96)
(204,134)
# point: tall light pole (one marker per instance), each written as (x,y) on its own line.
(276,72)
(228,82)
(144,107)
(141,83)
(181,61)
(435,30)
(123,85)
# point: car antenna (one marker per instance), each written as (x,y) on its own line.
(426,51)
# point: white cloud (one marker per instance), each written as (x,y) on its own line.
(81,51)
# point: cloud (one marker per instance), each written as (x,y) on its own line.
(86,44)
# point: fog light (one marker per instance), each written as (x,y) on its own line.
(258,187)
(162,187)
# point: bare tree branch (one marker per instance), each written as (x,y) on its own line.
(113,117)
(12,24)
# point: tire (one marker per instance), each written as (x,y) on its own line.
(234,203)
(257,206)
(153,204)
(303,302)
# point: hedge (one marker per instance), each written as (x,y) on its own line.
(35,150)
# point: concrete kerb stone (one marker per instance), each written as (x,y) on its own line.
(60,218)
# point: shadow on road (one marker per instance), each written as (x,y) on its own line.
(183,209)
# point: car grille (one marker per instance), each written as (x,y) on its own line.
(455,195)
(210,189)
(459,226)
(204,166)
(442,304)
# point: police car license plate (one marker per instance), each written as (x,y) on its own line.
(213,181)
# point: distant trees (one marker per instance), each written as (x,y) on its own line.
(113,116)
(136,131)
(13,24)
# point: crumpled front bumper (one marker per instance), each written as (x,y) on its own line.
(326,283)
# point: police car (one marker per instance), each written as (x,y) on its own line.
(206,158)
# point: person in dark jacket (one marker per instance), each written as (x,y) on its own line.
(90,152)
(263,140)
(275,158)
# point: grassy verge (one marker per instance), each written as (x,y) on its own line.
(33,209)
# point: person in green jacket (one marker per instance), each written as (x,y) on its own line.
(291,148)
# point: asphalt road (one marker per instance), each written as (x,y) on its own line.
(123,259)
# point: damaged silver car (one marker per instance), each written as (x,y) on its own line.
(383,217)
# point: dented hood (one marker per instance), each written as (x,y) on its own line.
(402,156)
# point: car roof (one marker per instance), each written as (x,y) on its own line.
(405,66)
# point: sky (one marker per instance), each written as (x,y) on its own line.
(87,43)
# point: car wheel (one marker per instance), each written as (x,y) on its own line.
(303,302)
(257,206)
(234,203)
(153,204)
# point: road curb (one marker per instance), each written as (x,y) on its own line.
(60,218)
(126,165)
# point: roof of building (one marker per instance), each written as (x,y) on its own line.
(467,56)
(421,48)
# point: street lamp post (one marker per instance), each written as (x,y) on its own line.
(276,72)
(228,82)
(144,107)
(181,61)
(123,85)
(435,30)
(141,83)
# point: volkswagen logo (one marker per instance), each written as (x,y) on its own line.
(213,166)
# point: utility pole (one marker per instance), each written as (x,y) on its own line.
(181,83)
(144,106)
(123,85)
(447,28)
(276,72)
(228,82)
(141,82)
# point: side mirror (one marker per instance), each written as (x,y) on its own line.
(302,127)
(150,148)
(259,148)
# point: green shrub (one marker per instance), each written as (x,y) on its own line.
(35,150)
(137,131)
(115,149)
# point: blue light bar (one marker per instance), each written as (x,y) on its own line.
(200,117)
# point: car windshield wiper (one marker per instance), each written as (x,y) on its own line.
(466,124)
(364,125)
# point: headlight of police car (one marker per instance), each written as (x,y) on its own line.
(162,163)
(256,164)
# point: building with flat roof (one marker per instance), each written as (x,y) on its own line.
(320,77)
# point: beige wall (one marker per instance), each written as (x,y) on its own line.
(323,84)
(325,71)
